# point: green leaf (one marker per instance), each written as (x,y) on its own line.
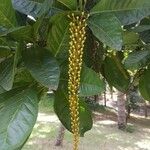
(19,33)
(32,7)
(145,35)
(141,28)
(115,74)
(18,113)
(7,72)
(41,31)
(90,84)
(144,85)
(71,4)
(2,90)
(7,14)
(42,66)
(19,148)
(120,6)
(137,59)
(130,38)
(4,51)
(22,19)
(8,43)
(107,29)
(27,7)
(127,11)
(2,30)
(61,107)
(132,16)
(23,77)
(58,39)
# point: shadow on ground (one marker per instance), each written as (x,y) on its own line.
(103,136)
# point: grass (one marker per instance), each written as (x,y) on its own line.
(103,136)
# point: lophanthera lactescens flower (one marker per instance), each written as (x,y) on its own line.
(77,30)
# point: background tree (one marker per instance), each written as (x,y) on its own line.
(121,100)
(60,136)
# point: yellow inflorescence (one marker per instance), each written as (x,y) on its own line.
(77,37)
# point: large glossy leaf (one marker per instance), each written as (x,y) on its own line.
(71,4)
(32,7)
(141,28)
(91,83)
(144,85)
(145,35)
(107,29)
(42,66)
(120,6)
(7,72)
(7,14)
(59,35)
(19,148)
(137,59)
(61,107)
(115,74)
(8,68)
(132,16)
(127,11)
(27,7)
(18,113)
(19,33)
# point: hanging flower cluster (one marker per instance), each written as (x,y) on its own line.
(77,40)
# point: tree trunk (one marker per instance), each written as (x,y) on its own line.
(96,99)
(121,99)
(105,99)
(111,93)
(145,110)
(60,136)
(128,106)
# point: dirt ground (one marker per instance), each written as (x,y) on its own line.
(103,136)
